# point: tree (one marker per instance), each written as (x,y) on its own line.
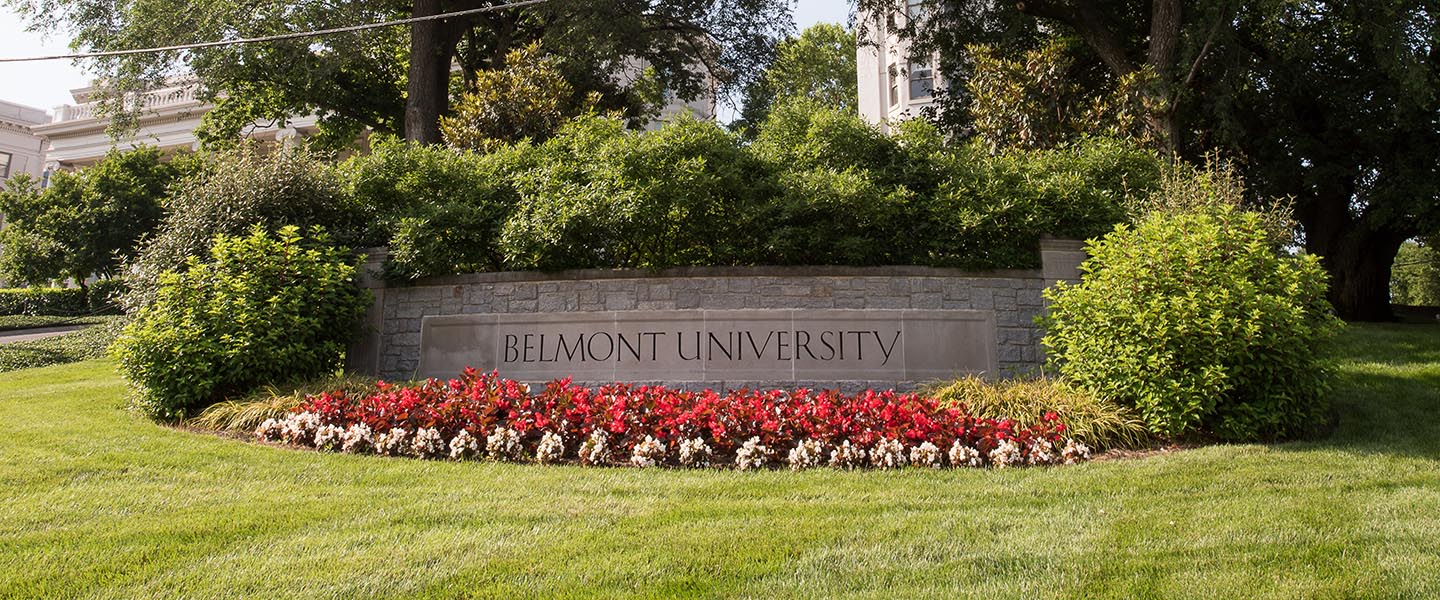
(83,223)
(1415,279)
(1040,100)
(819,64)
(394,81)
(528,99)
(1338,104)
(1334,104)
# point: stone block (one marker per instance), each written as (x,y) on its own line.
(619,300)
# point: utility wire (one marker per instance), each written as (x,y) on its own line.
(283,36)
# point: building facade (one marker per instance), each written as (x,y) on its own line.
(76,135)
(21,150)
(894,85)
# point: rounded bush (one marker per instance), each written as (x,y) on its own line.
(601,196)
(441,209)
(262,310)
(233,190)
(1199,319)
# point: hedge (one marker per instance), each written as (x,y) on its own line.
(98,298)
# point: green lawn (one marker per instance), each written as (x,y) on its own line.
(84,344)
(97,502)
(16,322)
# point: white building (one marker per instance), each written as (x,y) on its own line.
(76,136)
(893,85)
(21,150)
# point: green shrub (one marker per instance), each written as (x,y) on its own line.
(848,194)
(99,298)
(43,301)
(1201,320)
(1097,422)
(442,210)
(1415,277)
(991,210)
(601,196)
(236,189)
(104,297)
(262,310)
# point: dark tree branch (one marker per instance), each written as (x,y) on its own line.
(1092,25)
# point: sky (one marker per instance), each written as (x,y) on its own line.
(47,84)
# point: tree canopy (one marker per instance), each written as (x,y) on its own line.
(83,223)
(818,64)
(1333,104)
(397,79)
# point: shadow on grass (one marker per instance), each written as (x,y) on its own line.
(1389,343)
(1386,394)
(22,355)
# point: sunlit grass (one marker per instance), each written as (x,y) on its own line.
(95,501)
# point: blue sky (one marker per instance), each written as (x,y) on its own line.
(48,84)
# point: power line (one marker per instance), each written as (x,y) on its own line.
(275,38)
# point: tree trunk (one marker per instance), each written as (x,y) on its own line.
(1360,276)
(427,93)
(1355,252)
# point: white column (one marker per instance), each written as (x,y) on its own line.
(288,137)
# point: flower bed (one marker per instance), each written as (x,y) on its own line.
(482,415)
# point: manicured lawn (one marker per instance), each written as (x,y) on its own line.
(81,345)
(97,502)
(14,322)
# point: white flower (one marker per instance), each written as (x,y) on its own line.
(551,448)
(648,452)
(847,456)
(965,456)
(694,453)
(752,455)
(808,454)
(1042,452)
(299,428)
(888,454)
(329,437)
(595,450)
(504,444)
(392,443)
(463,445)
(427,442)
(927,455)
(1075,452)
(356,439)
(268,431)
(1005,454)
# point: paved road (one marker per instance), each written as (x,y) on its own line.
(39,333)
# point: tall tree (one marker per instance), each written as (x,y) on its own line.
(818,64)
(83,223)
(395,80)
(1336,104)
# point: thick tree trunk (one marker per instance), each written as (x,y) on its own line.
(1360,275)
(427,93)
(1356,253)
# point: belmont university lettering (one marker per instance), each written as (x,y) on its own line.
(655,346)
(714,345)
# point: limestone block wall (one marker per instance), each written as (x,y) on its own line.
(391,347)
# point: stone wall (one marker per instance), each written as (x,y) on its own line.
(391,348)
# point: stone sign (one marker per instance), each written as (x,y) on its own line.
(713,345)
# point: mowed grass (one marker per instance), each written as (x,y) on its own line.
(97,502)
